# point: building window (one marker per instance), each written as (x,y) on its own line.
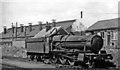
(108,38)
(102,34)
(111,33)
(114,36)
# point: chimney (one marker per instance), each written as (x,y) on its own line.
(30,27)
(21,27)
(81,14)
(53,22)
(5,29)
(13,28)
(40,26)
(48,27)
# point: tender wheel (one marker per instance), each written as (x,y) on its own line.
(32,57)
(38,57)
(46,61)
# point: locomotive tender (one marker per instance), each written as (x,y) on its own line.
(67,49)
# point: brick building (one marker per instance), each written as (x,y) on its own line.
(21,33)
(109,30)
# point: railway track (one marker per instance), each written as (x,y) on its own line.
(58,66)
(36,62)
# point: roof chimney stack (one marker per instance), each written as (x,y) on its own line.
(30,27)
(22,27)
(40,25)
(53,22)
(48,27)
(5,29)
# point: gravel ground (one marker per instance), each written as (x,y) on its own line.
(26,64)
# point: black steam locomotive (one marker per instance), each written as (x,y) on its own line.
(67,49)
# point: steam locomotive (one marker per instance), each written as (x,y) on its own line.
(67,49)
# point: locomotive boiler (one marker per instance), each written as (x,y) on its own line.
(67,49)
(91,43)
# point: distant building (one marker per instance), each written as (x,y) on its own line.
(21,33)
(78,26)
(108,29)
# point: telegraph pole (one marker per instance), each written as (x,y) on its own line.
(12,32)
(25,32)
(16,31)
(81,14)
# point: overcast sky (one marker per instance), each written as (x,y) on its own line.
(25,11)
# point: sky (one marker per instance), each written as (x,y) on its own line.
(33,11)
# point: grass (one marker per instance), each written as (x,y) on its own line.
(13,51)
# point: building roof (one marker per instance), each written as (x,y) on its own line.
(104,24)
(52,31)
(35,29)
